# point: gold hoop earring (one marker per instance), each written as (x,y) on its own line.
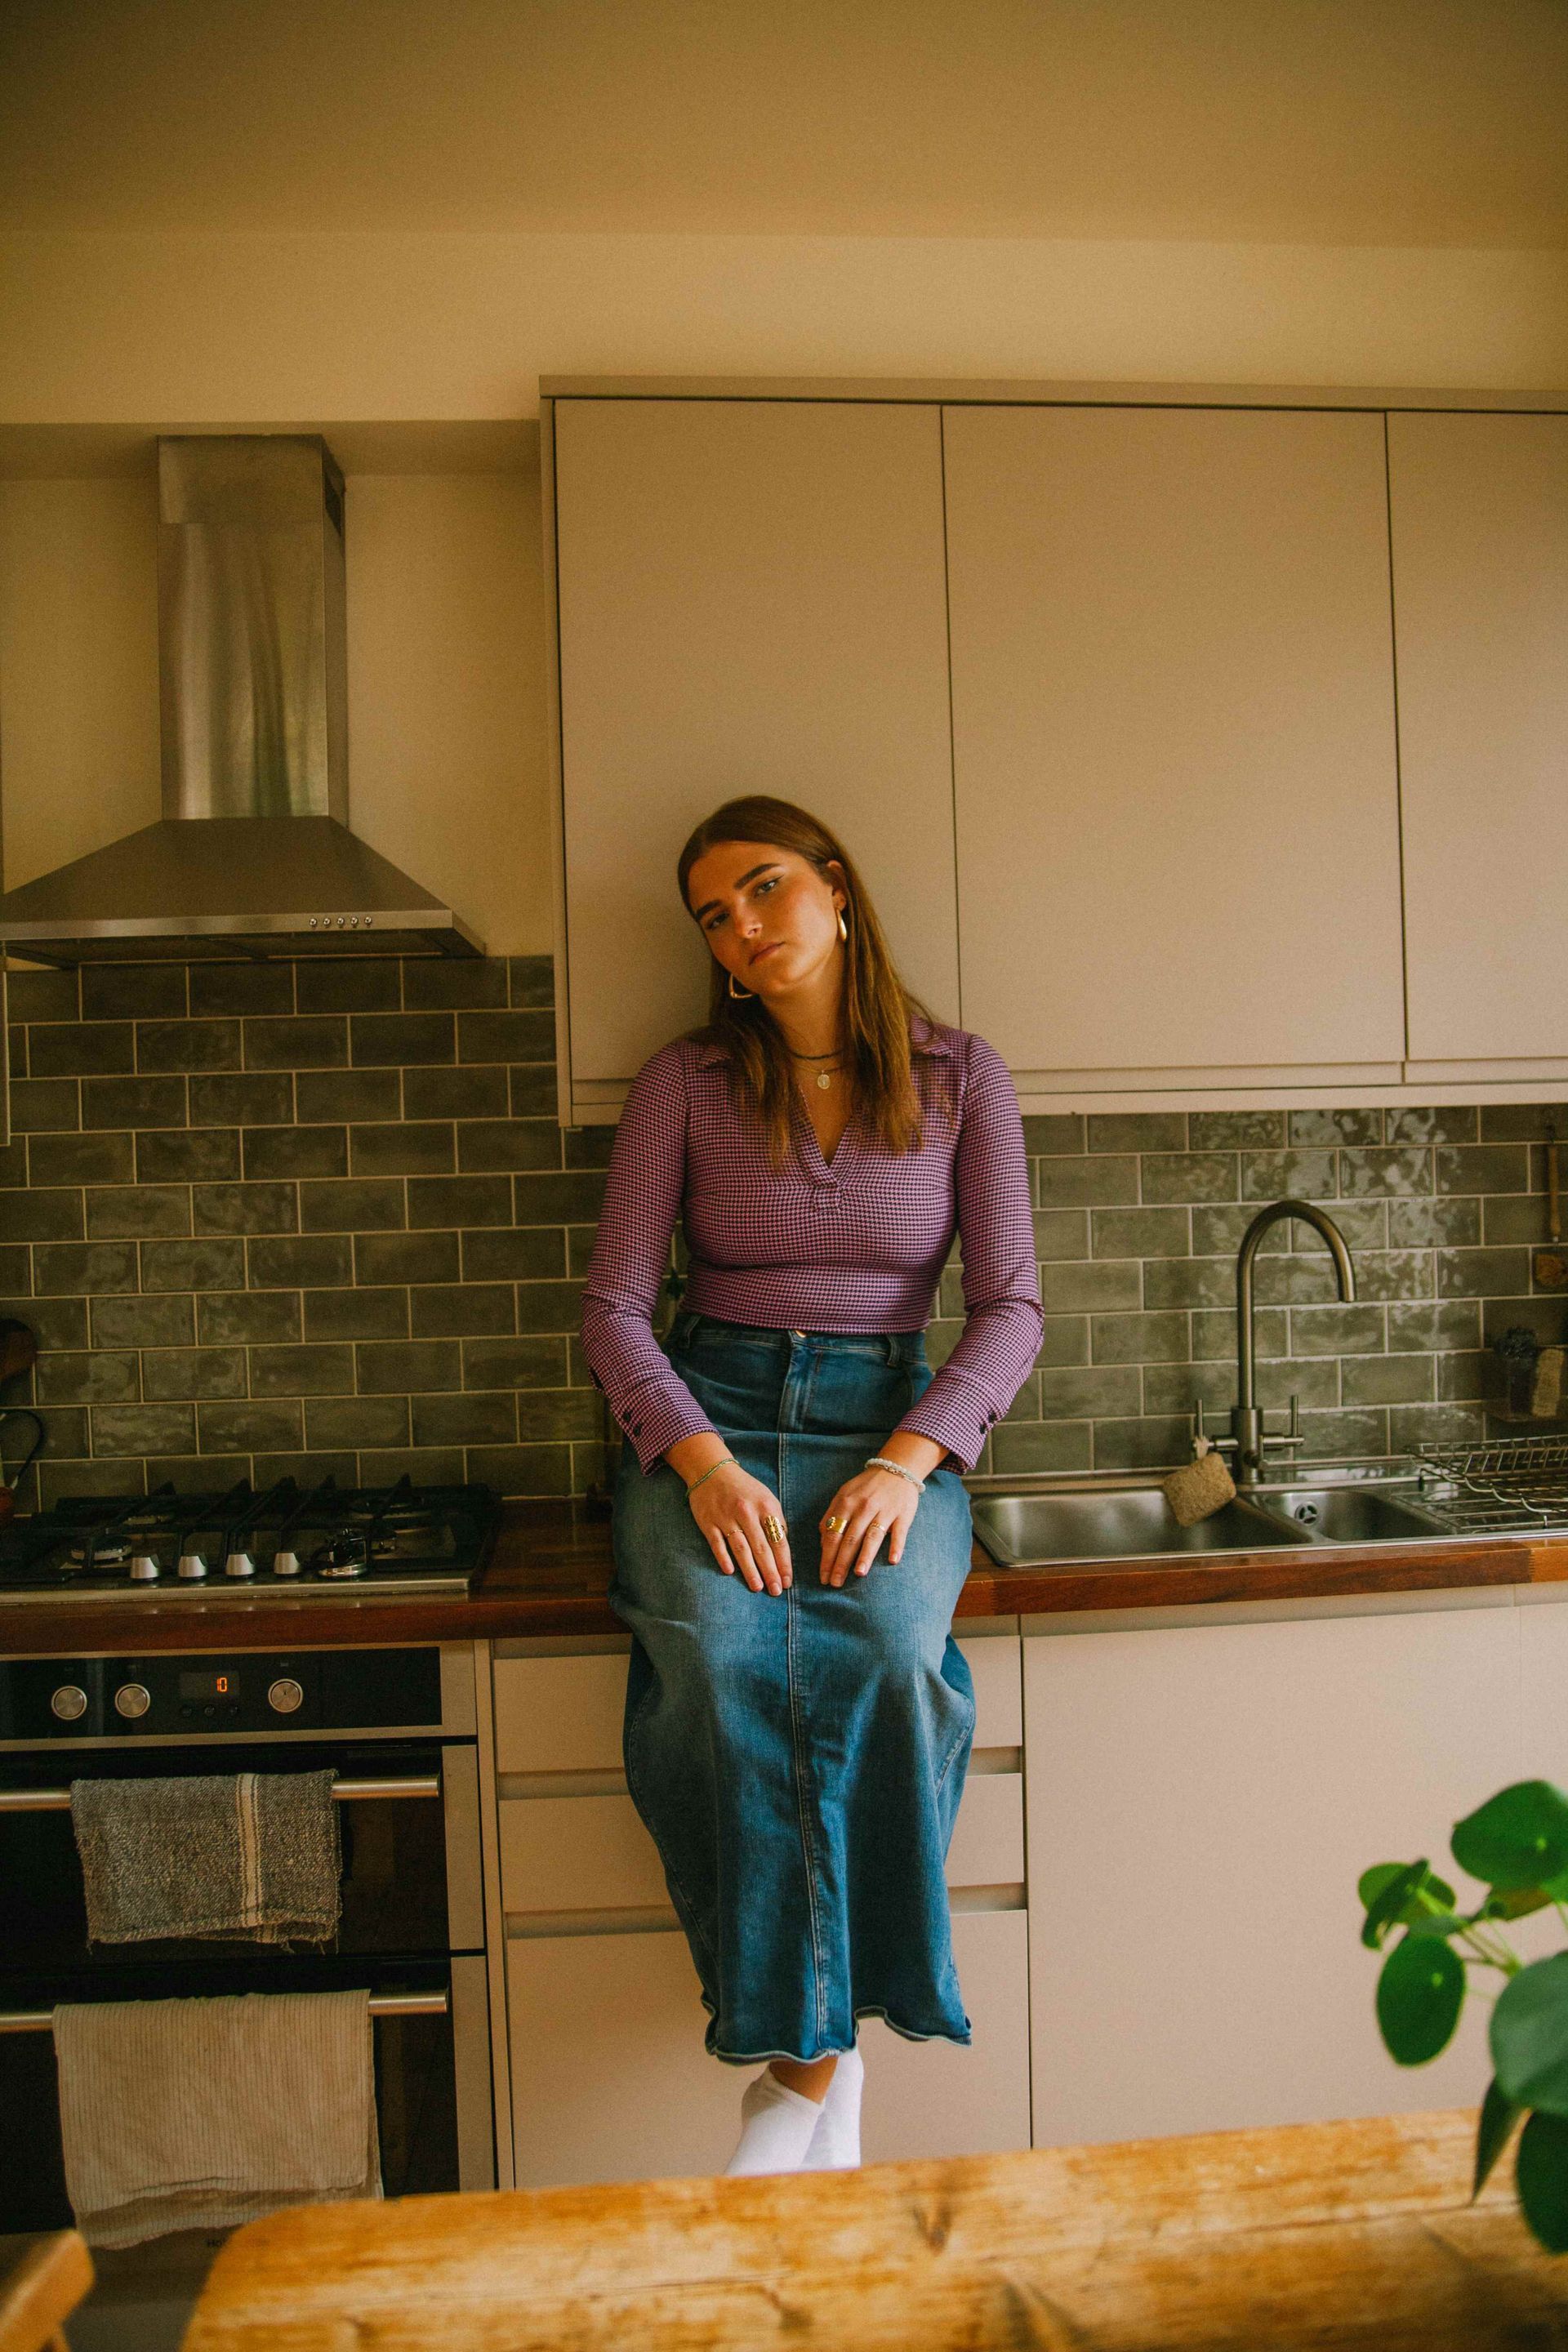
(843,926)
(741,995)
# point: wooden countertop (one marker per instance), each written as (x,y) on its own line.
(1311,2235)
(550,1569)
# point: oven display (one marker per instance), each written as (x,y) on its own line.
(207,1686)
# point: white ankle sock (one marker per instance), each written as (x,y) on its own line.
(776,2126)
(835,2142)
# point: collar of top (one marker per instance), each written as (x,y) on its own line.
(923,1039)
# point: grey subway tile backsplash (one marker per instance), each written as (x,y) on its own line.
(271,1219)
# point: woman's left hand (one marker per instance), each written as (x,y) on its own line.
(872,1506)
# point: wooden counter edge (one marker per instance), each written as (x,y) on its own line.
(563,1605)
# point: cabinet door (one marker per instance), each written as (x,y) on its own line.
(1480,509)
(1173,743)
(1201,1803)
(752,598)
(1543,1680)
(611,2082)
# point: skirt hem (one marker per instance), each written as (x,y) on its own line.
(862,2009)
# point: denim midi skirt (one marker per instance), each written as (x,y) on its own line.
(799,1760)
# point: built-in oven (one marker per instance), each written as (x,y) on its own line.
(397,1727)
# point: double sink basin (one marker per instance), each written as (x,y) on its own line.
(1117,1517)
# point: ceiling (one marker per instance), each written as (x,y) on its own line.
(1428,123)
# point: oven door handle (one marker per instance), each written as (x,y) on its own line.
(382,2004)
(346,1792)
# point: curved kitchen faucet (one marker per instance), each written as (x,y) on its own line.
(1248,1441)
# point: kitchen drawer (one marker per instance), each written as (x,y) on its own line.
(577,1853)
(559,1715)
(996,1664)
(591,1854)
(987,1847)
(564,1715)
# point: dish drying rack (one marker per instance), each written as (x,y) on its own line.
(1513,1483)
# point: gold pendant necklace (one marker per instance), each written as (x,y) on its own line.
(825,1079)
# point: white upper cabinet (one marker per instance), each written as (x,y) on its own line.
(751,598)
(1479,506)
(1173,741)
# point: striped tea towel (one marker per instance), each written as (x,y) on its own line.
(187,2115)
(249,1854)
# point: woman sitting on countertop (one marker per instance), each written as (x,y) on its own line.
(800,1767)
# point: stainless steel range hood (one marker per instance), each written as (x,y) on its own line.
(253,856)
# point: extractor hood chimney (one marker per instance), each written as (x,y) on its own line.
(252,857)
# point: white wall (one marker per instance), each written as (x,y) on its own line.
(207,329)
(79,669)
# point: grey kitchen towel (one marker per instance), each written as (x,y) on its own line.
(253,1855)
(187,2115)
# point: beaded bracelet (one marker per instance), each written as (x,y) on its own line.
(722,1462)
(885,1462)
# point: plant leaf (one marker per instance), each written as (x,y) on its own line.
(1517,1904)
(1393,1898)
(1498,2117)
(1420,1996)
(1370,1882)
(1517,1839)
(1540,2169)
(1530,2036)
(1433,1923)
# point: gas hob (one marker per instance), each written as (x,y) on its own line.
(285,1542)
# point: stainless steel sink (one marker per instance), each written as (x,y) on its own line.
(1350,1515)
(1133,1522)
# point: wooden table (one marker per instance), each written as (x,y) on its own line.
(1322,2235)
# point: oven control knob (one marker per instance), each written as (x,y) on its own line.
(192,1566)
(285,1696)
(133,1699)
(68,1703)
(144,1568)
(239,1563)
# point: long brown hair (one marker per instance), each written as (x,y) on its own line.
(877,1007)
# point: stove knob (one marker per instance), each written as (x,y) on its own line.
(239,1563)
(68,1703)
(286,1563)
(192,1566)
(143,1569)
(133,1699)
(285,1696)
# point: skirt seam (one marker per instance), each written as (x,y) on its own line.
(797,1762)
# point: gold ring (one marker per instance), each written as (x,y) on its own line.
(833,1525)
(773,1528)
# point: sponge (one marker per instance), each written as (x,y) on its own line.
(1546,1396)
(1200,1488)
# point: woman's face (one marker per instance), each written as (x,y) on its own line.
(767,914)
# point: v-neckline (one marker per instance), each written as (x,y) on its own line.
(830,1168)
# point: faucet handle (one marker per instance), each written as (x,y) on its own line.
(1201,1436)
(1288,1441)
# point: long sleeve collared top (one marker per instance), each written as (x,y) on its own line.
(854,1244)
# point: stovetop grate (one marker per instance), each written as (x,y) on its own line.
(1509,1486)
(285,1539)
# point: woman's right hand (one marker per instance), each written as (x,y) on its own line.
(730,1508)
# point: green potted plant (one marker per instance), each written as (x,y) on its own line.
(1516,1845)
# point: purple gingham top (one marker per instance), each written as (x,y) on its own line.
(855,1243)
